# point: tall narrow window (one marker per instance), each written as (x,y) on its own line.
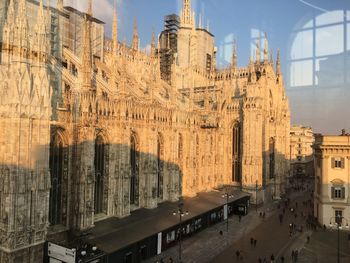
(99,173)
(272,157)
(160,166)
(236,153)
(58,168)
(134,180)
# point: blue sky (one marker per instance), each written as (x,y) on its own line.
(303,52)
(227,19)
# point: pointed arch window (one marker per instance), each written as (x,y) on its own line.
(100,162)
(160,153)
(236,153)
(58,164)
(134,163)
(272,157)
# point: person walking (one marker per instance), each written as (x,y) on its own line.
(272,258)
(237,254)
(255,242)
(282,259)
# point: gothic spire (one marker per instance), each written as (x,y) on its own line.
(153,45)
(135,41)
(251,69)
(48,16)
(86,52)
(10,14)
(266,49)
(278,63)
(234,56)
(115,28)
(40,29)
(21,29)
(186,16)
(8,34)
(89,11)
(60,5)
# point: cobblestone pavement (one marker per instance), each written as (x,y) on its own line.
(272,236)
(209,245)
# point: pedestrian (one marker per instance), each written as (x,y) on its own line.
(255,242)
(220,232)
(251,241)
(272,258)
(293,255)
(264,261)
(324,227)
(171,260)
(282,259)
(237,254)
(259,260)
(264,215)
(308,239)
(296,255)
(281,218)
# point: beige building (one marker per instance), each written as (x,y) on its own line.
(301,151)
(90,130)
(332,180)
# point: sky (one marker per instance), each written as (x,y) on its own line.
(313,37)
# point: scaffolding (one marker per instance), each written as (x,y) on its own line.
(168,45)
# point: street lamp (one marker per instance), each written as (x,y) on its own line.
(227,196)
(181,213)
(338,222)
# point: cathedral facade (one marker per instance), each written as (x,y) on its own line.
(93,128)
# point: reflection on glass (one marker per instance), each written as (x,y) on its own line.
(302,45)
(301,73)
(329,40)
(330,18)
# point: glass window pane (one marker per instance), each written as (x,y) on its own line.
(301,73)
(329,40)
(302,45)
(348,36)
(330,18)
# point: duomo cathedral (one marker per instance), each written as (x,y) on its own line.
(93,128)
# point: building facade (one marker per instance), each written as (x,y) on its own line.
(332,178)
(91,130)
(301,151)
